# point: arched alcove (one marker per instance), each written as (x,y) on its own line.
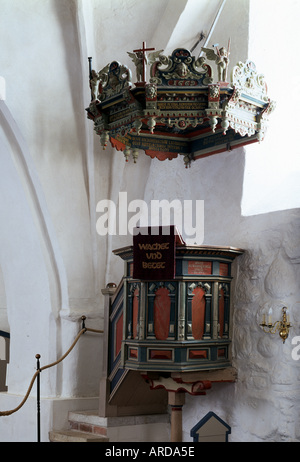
(24,274)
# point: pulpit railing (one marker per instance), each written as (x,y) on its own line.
(36,376)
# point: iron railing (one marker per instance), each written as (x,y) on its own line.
(36,377)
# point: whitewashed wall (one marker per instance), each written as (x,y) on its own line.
(47,247)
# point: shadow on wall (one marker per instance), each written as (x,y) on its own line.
(218,180)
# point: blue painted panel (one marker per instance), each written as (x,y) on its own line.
(116,310)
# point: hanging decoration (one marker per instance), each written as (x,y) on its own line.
(180,110)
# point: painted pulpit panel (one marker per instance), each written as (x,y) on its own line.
(135,312)
(161,312)
(116,317)
(198,313)
(118,335)
(199,310)
(179,323)
(221,313)
(133,290)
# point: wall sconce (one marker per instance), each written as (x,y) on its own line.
(282,326)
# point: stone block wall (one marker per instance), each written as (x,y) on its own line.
(263,405)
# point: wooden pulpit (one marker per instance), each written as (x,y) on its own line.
(169,320)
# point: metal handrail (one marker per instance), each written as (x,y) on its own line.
(40,369)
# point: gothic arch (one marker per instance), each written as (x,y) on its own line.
(33,272)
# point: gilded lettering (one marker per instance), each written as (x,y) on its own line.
(155,246)
(154,265)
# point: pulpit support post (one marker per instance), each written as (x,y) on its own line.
(176,400)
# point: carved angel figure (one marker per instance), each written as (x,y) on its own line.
(94,82)
(138,60)
(97,81)
(221,58)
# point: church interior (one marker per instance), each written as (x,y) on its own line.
(89,145)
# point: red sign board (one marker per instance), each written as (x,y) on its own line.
(199,267)
(154,253)
(223,269)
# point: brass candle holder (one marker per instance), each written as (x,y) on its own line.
(283,326)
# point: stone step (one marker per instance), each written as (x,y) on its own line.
(75,436)
(140,428)
(88,421)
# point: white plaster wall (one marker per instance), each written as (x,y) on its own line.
(46,238)
(271,178)
(50,87)
(23,271)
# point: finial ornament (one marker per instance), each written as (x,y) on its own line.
(221,58)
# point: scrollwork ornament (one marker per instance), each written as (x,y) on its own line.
(114,79)
(269,109)
(245,77)
(180,66)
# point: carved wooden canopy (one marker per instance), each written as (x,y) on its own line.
(180,111)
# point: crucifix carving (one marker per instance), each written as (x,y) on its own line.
(139,58)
